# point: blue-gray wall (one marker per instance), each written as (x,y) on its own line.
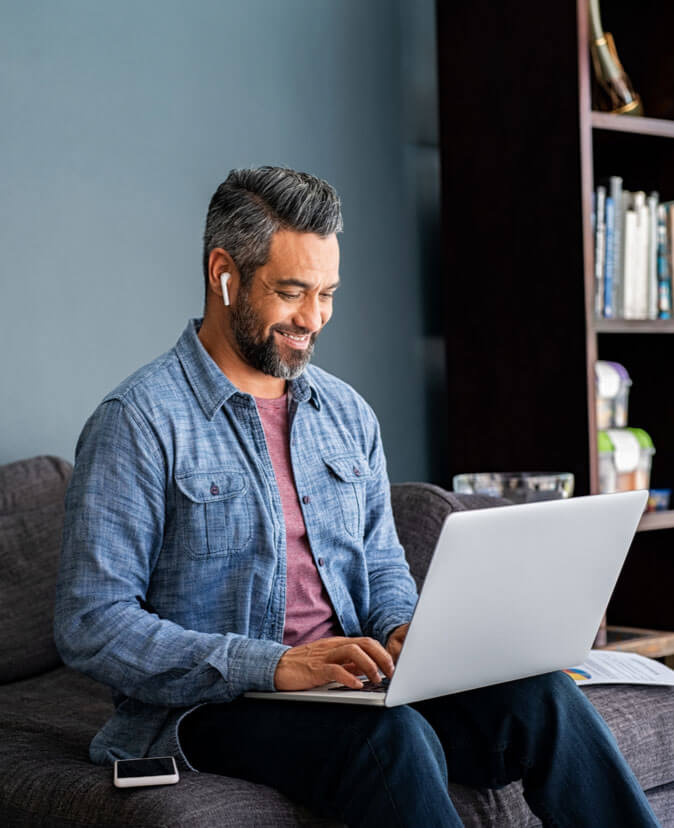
(117,122)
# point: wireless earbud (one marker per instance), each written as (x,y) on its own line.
(224,279)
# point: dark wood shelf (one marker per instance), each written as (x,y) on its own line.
(629,123)
(649,326)
(656,520)
(651,643)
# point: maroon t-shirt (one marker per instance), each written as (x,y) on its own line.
(309,613)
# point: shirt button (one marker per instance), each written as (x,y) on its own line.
(356,471)
(306,499)
(321,561)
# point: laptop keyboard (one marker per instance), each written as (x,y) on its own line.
(368,687)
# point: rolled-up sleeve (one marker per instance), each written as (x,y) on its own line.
(113,533)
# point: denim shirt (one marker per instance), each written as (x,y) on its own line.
(172,583)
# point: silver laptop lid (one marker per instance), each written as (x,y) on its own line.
(513,592)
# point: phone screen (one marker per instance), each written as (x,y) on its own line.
(131,768)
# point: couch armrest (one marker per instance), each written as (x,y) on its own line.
(31,523)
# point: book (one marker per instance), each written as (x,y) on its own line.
(641,207)
(670,238)
(669,221)
(664,278)
(599,249)
(652,257)
(616,192)
(631,264)
(636,258)
(609,307)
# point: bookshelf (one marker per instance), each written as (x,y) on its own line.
(638,126)
(521,150)
(632,326)
(657,520)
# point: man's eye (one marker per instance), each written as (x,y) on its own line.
(329,296)
(288,296)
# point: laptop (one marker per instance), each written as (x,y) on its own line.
(510,592)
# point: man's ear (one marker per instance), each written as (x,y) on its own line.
(220,264)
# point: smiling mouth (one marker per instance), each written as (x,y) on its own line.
(295,340)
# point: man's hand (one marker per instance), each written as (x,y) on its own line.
(395,640)
(332,659)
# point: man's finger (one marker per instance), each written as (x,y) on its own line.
(378,654)
(335,672)
(354,654)
(394,648)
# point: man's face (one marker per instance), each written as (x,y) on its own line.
(278,315)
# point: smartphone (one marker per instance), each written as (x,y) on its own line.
(154,770)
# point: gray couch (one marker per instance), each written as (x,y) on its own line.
(48,713)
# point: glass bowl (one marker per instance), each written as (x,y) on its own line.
(518,487)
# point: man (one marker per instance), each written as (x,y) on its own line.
(229,528)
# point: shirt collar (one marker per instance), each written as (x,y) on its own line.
(212,387)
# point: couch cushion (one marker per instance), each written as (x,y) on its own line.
(31,521)
(642,720)
(46,777)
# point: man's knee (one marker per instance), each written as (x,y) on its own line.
(560,691)
(550,688)
(551,706)
(404,734)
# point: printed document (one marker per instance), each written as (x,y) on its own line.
(616,667)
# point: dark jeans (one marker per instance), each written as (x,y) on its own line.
(374,766)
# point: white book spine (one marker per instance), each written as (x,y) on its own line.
(630,309)
(642,255)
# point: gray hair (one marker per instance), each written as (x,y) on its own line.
(251,205)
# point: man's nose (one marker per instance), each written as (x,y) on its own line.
(309,315)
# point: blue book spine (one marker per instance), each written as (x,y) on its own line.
(609,261)
(599,250)
(664,284)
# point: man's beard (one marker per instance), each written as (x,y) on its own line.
(264,354)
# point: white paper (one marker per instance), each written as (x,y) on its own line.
(616,667)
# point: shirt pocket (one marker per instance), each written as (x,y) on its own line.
(349,474)
(213,512)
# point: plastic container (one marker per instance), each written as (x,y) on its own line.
(518,487)
(625,457)
(613,390)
